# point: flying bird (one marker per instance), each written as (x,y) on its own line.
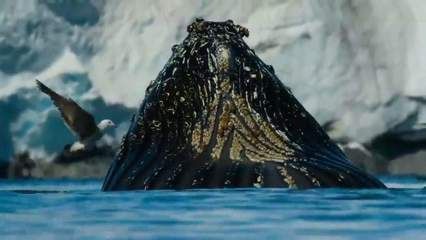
(81,123)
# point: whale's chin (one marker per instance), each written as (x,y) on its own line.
(218,116)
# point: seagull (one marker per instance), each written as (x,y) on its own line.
(80,122)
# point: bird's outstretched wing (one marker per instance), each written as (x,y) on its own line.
(78,119)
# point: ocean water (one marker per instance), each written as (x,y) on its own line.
(77,209)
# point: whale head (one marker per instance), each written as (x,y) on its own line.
(218,116)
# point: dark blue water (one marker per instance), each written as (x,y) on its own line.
(71,209)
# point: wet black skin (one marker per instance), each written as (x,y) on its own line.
(217,116)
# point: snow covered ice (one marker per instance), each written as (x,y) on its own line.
(360,63)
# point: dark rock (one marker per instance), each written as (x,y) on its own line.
(21,166)
(14,58)
(409,164)
(82,164)
(67,157)
(4,169)
(76,12)
(364,158)
(391,146)
(94,167)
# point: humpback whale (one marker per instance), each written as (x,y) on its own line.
(217,116)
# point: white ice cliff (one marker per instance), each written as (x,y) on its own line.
(358,63)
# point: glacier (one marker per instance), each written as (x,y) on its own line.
(359,64)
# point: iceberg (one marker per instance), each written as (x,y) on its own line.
(358,63)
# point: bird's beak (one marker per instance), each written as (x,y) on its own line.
(113,125)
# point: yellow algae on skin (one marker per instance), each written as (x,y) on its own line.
(197,139)
(250,135)
(203,130)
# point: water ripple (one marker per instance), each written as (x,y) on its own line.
(64,209)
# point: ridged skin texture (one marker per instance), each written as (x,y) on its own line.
(217,116)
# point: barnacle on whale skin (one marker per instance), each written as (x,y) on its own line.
(218,116)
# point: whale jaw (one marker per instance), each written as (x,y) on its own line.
(217,116)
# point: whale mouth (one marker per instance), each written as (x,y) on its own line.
(218,116)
